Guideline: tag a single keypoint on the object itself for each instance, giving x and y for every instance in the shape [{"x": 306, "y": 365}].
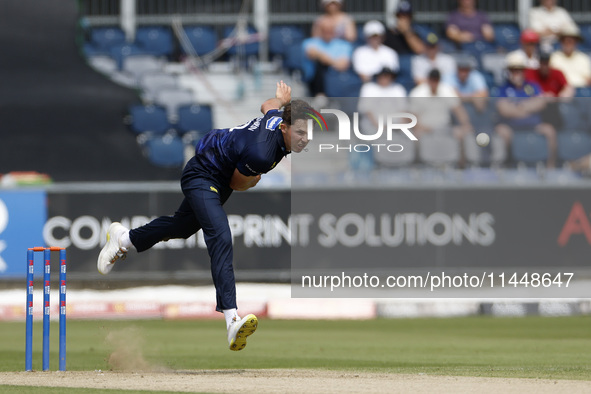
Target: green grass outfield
[{"x": 532, "y": 347}]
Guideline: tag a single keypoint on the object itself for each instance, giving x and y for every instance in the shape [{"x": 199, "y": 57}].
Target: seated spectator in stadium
[
  {"x": 342, "y": 24},
  {"x": 529, "y": 48},
  {"x": 467, "y": 24},
  {"x": 324, "y": 52},
  {"x": 401, "y": 37},
  {"x": 552, "y": 81},
  {"x": 383, "y": 85},
  {"x": 520, "y": 107},
  {"x": 432, "y": 58},
  {"x": 467, "y": 81},
  {"x": 370, "y": 58},
  {"x": 574, "y": 64},
  {"x": 435, "y": 116},
  {"x": 553, "y": 84},
  {"x": 548, "y": 20},
  {"x": 469, "y": 84}
]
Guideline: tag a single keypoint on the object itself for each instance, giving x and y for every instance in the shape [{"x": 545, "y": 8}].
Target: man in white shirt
[
  {"x": 432, "y": 59},
  {"x": 548, "y": 20},
  {"x": 372, "y": 57},
  {"x": 574, "y": 64},
  {"x": 433, "y": 103}
]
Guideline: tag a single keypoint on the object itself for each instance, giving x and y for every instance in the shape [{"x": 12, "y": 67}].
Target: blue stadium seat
[
  {"x": 106, "y": 37},
  {"x": 165, "y": 151},
  {"x": 283, "y": 37},
  {"x": 586, "y": 34},
  {"x": 574, "y": 115},
  {"x": 529, "y": 147},
  {"x": 148, "y": 118},
  {"x": 573, "y": 145},
  {"x": 294, "y": 57},
  {"x": 583, "y": 92},
  {"x": 121, "y": 51},
  {"x": 342, "y": 84},
  {"x": 477, "y": 49},
  {"x": 203, "y": 38},
  {"x": 194, "y": 117},
  {"x": 155, "y": 39},
  {"x": 250, "y": 49},
  {"x": 507, "y": 36}
]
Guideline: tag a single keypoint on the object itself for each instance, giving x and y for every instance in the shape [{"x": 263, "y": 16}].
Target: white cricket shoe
[
  {"x": 112, "y": 251},
  {"x": 240, "y": 329}
]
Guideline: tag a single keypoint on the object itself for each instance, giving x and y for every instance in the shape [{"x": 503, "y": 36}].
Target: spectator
[
  {"x": 548, "y": 20},
  {"x": 467, "y": 24},
  {"x": 342, "y": 24},
  {"x": 432, "y": 58},
  {"x": 320, "y": 54},
  {"x": 552, "y": 82},
  {"x": 435, "y": 115},
  {"x": 574, "y": 64},
  {"x": 520, "y": 106},
  {"x": 370, "y": 58},
  {"x": 401, "y": 37},
  {"x": 384, "y": 86},
  {"x": 472, "y": 89},
  {"x": 529, "y": 48},
  {"x": 467, "y": 81}
]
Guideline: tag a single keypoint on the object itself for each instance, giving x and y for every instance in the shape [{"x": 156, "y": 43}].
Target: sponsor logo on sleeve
[{"x": 273, "y": 122}]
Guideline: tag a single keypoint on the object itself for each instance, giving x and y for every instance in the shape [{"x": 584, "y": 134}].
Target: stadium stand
[
  {"x": 288, "y": 27},
  {"x": 54, "y": 103}
]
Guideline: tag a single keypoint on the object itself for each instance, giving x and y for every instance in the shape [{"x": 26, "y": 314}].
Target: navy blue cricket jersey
[{"x": 253, "y": 148}]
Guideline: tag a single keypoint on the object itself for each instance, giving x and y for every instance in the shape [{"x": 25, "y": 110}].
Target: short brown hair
[{"x": 294, "y": 110}]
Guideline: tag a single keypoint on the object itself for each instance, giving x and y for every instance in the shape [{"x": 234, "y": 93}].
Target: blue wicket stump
[{"x": 46, "y": 307}]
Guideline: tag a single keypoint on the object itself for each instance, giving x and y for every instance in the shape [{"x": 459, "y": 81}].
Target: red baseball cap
[{"x": 528, "y": 36}]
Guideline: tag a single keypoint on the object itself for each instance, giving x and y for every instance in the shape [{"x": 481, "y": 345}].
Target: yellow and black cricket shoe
[{"x": 240, "y": 329}]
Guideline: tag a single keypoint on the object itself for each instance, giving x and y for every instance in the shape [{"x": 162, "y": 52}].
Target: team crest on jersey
[{"x": 273, "y": 123}]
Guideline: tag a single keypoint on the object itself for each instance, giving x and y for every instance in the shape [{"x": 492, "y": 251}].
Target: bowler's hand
[{"x": 283, "y": 93}]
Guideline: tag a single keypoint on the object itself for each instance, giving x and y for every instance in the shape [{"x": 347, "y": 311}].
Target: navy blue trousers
[{"x": 201, "y": 209}]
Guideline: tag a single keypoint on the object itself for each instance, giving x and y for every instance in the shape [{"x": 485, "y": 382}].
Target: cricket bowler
[{"x": 225, "y": 160}]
